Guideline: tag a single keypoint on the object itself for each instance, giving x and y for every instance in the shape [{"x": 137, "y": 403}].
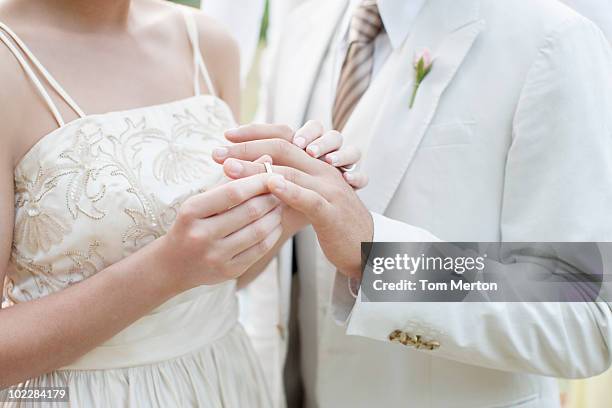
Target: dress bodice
[{"x": 101, "y": 187}]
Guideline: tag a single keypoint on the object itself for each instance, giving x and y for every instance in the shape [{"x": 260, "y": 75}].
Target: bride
[{"x": 120, "y": 242}]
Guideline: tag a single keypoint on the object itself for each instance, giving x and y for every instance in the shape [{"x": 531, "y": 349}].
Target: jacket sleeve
[{"x": 558, "y": 188}]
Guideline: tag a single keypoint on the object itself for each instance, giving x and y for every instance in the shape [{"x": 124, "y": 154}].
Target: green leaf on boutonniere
[
  {"x": 420, "y": 70},
  {"x": 422, "y": 64}
]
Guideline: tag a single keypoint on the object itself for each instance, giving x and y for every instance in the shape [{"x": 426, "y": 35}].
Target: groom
[{"x": 509, "y": 139}]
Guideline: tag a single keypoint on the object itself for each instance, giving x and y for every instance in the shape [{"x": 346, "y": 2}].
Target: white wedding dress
[{"x": 98, "y": 189}]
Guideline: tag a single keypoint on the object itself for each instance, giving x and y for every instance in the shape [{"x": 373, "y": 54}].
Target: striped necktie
[{"x": 366, "y": 25}]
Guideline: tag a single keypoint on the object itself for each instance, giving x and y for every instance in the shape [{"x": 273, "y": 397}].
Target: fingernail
[
  {"x": 299, "y": 142},
  {"x": 231, "y": 131},
  {"x": 332, "y": 159},
  {"x": 235, "y": 168},
  {"x": 349, "y": 177},
  {"x": 313, "y": 150},
  {"x": 278, "y": 183},
  {"x": 220, "y": 152}
]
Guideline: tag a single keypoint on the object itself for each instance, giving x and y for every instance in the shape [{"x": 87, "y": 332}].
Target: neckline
[{"x": 86, "y": 117}]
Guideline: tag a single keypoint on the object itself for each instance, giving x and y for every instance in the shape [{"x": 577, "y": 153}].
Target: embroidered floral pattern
[
  {"x": 123, "y": 162},
  {"x": 43, "y": 277},
  {"x": 37, "y": 227},
  {"x": 83, "y": 170},
  {"x": 86, "y": 263},
  {"x": 179, "y": 162},
  {"x": 7, "y": 298},
  {"x": 114, "y": 182}
]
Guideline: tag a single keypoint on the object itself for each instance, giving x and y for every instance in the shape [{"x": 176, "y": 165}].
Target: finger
[
  {"x": 224, "y": 197},
  {"x": 246, "y": 259},
  {"x": 346, "y": 156},
  {"x": 329, "y": 142},
  {"x": 231, "y": 167},
  {"x": 236, "y": 169},
  {"x": 282, "y": 153},
  {"x": 310, "y": 203},
  {"x": 258, "y": 131},
  {"x": 356, "y": 180},
  {"x": 242, "y": 215},
  {"x": 264, "y": 159},
  {"x": 253, "y": 233},
  {"x": 308, "y": 133}
]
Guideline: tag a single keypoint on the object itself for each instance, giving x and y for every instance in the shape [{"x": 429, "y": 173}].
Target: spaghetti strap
[
  {"x": 26, "y": 52},
  {"x": 198, "y": 62},
  {"x": 30, "y": 73}
]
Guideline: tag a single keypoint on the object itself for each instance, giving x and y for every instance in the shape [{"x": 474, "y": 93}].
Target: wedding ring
[
  {"x": 268, "y": 167},
  {"x": 348, "y": 169}
]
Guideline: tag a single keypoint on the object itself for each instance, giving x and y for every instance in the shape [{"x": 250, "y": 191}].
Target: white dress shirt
[{"x": 316, "y": 273}]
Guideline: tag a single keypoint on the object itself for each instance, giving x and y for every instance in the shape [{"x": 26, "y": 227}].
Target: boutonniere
[{"x": 422, "y": 66}]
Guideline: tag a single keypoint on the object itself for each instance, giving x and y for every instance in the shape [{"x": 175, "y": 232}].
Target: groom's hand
[
  {"x": 339, "y": 218},
  {"x": 313, "y": 188}
]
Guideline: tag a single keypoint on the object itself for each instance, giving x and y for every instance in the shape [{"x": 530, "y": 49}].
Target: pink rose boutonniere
[{"x": 422, "y": 65}]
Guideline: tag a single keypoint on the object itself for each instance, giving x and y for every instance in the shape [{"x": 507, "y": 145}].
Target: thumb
[{"x": 310, "y": 203}]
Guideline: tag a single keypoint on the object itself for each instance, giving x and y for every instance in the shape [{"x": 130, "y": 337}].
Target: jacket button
[
  {"x": 395, "y": 336},
  {"x": 414, "y": 341}
]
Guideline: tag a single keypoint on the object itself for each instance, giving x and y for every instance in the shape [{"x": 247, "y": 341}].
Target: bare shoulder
[
  {"x": 214, "y": 35},
  {"x": 219, "y": 50}
]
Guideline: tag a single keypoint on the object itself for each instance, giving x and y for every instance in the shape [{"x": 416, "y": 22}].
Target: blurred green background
[{"x": 193, "y": 3}]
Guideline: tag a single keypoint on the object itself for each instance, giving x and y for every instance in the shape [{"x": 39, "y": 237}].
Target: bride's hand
[
  {"x": 219, "y": 234},
  {"x": 312, "y": 137}
]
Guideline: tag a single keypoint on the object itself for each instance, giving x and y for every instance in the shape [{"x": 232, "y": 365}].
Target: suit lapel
[
  {"x": 302, "y": 65},
  {"x": 449, "y": 28}
]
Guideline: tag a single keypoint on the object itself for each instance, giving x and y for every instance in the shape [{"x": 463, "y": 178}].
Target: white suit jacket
[
  {"x": 510, "y": 139},
  {"x": 599, "y": 11}
]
